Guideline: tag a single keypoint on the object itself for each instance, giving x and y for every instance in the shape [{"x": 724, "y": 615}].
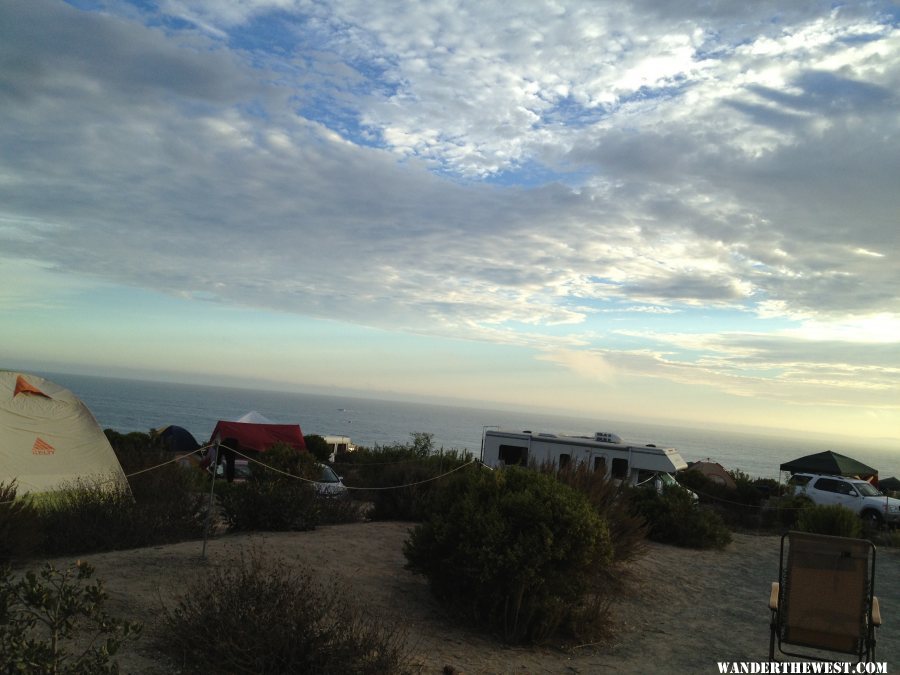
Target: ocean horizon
[{"x": 126, "y": 405}]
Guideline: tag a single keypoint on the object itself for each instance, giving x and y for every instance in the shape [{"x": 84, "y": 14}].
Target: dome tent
[
  {"x": 48, "y": 437},
  {"x": 176, "y": 439}
]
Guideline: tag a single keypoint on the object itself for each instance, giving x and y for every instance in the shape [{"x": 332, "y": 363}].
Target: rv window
[
  {"x": 600, "y": 464},
  {"x": 564, "y": 460},
  {"x": 513, "y": 454},
  {"x": 619, "y": 468}
]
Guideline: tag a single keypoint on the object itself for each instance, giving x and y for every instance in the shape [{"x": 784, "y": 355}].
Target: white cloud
[{"x": 648, "y": 158}]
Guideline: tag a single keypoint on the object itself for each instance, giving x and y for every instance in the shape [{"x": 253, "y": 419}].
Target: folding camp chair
[{"x": 824, "y": 598}]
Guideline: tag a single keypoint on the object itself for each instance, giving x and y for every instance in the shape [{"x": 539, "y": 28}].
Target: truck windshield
[
  {"x": 667, "y": 478},
  {"x": 867, "y": 490},
  {"x": 328, "y": 475}
]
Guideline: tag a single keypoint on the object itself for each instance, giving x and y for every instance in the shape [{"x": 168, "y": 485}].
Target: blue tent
[{"x": 177, "y": 439}]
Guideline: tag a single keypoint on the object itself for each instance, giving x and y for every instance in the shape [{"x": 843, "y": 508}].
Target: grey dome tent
[
  {"x": 48, "y": 437},
  {"x": 831, "y": 463}
]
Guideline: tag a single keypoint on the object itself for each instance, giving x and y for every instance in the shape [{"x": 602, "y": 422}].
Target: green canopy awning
[{"x": 831, "y": 463}]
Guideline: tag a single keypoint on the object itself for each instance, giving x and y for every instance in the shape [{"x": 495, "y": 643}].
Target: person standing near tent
[
  {"x": 228, "y": 450},
  {"x": 211, "y": 461}
]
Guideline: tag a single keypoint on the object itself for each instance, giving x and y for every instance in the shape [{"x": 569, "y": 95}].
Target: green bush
[
  {"x": 739, "y": 506},
  {"x": 168, "y": 498},
  {"x": 281, "y": 459},
  {"x": 269, "y": 505},
  {"x": 339, "y": 511},
  {"x": 19, "y": 525},
  {"x": 515, "y": 551},
  {"x": 88, "y": 515},
  {"x": 317, "y": 447},
  {"x": 43, "y": 615},
  {"x": 627, "y": 530},
  {"x": 785, "y": 511},
  {"x": 832, "y": 519},
  {"x": 400, "y": 478},
  {"x": 674, "y": 518},
  {"x": 269, "y": 616}
]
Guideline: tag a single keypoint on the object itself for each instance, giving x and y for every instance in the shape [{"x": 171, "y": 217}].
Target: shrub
[
  {"x": 168, "y": 507},
  {"x": 515, "y": 551},
  {"x": 627, "y": 530},
  {"x": 19, "y": 525},
  {"x": 269, "y": 505},
  {"x": 832, "y": 519},
  {"x": 673, "y": 518},
  {"x": 42, "y": 613},
  {"x": 168, "y": 497},
  {"x": 339, "y": 511},
  {"x": 739, "y": 506},
  {"x": 268, "y": 616},
  {"x": 88, "y": 515},
  {"x": 317, "y": 447},
  {"x": 400, "y": 478},
  {"x": 786, "y": 510},
  {"x": 281, "y": 459}
]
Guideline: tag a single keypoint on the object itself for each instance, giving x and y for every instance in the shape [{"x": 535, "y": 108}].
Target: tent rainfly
[
  {"x": 889, "y": 484},
  {"x": 176, "y": 439},
  {"x": 715, "y": 472},
  {"x": 831, "y": 463},
  {"x": 255, "y": 432},
  {"x": 48, "y": 437}
]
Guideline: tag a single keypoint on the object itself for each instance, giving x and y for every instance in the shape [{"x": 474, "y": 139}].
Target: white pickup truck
[{"x": 853, "y": 493}]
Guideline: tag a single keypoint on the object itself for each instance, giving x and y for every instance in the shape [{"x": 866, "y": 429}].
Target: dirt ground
[{"x": 686, "y": 611}]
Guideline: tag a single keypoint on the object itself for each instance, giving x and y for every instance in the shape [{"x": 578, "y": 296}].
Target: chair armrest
[
  {"x": 773, "y": 596},
  {"x": 876, "y": 611}
]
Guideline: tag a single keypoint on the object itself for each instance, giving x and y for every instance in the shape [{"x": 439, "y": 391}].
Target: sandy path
[{"x": 687, "y": 609}]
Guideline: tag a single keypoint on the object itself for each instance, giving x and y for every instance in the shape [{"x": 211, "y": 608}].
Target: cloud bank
[{"x": 538, "y": 175}]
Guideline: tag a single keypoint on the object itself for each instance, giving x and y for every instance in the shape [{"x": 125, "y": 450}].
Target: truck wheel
[{"x": 871, "y": 520}]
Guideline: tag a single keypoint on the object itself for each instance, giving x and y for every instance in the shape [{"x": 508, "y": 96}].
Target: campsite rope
[
  {"x": 390, "y": 487},
  {"x": 171, "y": 461},
  {"x": 420, "y": 482}
]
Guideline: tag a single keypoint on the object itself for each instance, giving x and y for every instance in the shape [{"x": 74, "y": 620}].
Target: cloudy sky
[{"x": 682, "y": 211}]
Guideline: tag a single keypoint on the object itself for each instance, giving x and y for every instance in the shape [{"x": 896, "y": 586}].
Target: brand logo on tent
[
  {"x": 23, "y": 386},
  {"x": 42, "y": 447}
]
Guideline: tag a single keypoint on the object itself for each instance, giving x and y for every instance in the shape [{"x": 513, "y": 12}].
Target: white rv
[{"x": 631, "y": 464}]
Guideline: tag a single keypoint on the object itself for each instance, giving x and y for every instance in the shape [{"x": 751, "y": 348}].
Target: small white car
[
  {"x": 330, "y": 484},
  {"x": 853, "y": 493}
]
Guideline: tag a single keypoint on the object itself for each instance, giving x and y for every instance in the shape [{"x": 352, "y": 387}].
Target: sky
[{"x": 675, "y": 211}]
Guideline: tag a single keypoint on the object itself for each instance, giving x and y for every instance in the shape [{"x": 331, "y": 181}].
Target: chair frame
[{"x": 778, "y": 601}]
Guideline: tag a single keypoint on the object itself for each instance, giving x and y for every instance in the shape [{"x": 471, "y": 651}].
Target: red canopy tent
[{"x": 259, "y": 436}]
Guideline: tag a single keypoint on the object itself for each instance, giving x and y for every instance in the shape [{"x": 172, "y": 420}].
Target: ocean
[{"x": 136, "y": 405}]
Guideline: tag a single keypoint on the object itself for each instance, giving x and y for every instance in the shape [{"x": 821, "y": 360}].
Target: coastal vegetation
[
  {"x": 830, "y": 519},
  {"x": 673, "y": 518},
  {"x": 266, "y": 615},
  {"x": 516, "y": 552},
  {"x": 54, "y": 621},
  {"x": 400, "y": 480},
  {"x": 530, "y": 555}
]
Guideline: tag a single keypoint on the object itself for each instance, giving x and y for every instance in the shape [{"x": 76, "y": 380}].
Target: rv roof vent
[{"x": 607, "y": 437}]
